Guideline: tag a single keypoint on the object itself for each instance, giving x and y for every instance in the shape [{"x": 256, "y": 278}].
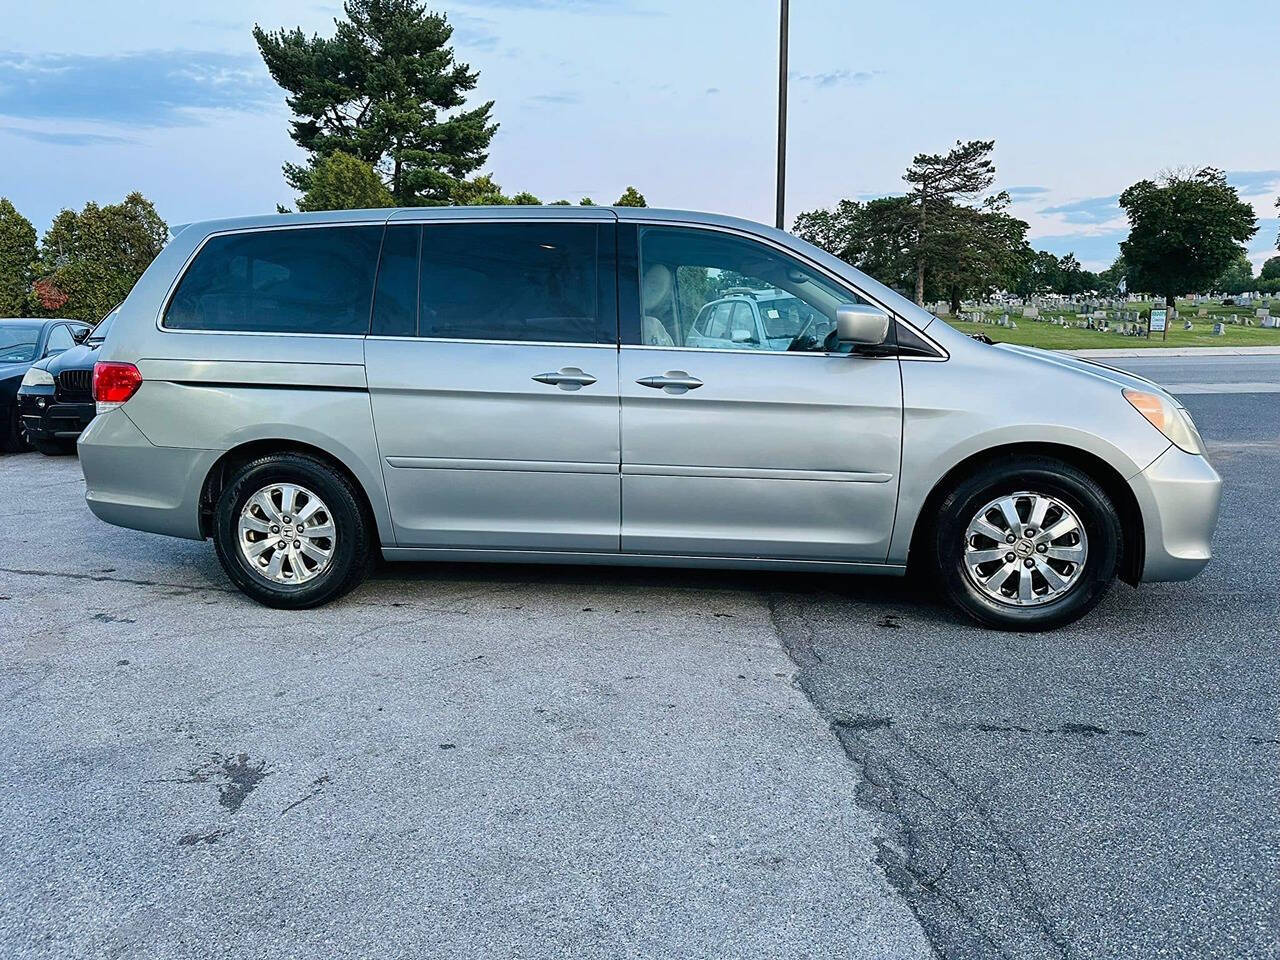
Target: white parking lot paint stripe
[{"x": 1187, "y": 388}]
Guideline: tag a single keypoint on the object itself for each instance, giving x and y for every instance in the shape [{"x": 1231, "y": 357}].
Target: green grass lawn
[{"x": 1037, "y": 333}]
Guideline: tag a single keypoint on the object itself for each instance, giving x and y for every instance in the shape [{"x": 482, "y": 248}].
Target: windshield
[
  {"x": 18, "y": 342},
  {"x": 99, "y": 333},
  {"x": 786, "y": 316}
]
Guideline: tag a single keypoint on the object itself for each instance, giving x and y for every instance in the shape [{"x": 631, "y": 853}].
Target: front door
[
  {"x": 749, "y": 448},
  {"x": 492, "y": 368}
]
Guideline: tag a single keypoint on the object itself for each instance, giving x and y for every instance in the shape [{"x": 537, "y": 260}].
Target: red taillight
[{"x": 114, "y": 383}]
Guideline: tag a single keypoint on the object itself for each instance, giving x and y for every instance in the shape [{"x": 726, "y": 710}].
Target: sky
[{"x": 677, "y": 97}]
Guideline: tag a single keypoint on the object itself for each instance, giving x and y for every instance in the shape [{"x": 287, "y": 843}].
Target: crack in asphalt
[
  {"x": 963, "y": 879},
  {"x": 100, "y": 578}
]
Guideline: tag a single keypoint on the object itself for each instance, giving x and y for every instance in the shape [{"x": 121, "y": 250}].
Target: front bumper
[
  {"x": 1179, "y": 495},
  {"x": 47, "y": 418}
]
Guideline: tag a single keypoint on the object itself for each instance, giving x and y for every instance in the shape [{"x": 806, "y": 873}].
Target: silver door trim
[
  {"x": 766, "y": 353},
  {"x": 612, "y": 345},
  {"x": 516, "y": 466},
  {"x": 751, "y": 473},
  {"x": 265, "y": 373},
  {"x": 472, "y": 555}
]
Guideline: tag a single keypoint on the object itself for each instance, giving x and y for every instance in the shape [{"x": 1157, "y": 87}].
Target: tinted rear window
[
  {"x": 524, "y": 281},
  {"x": 303, "y": 280}
]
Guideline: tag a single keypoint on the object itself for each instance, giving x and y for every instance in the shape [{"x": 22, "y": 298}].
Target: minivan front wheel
[
  {"x": 290, "y": 532},
  {"x": 1027, "y": 544}
]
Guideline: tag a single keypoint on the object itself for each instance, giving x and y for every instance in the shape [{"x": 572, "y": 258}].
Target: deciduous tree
[
  {"x": 1237, "y": 278},
  {"x": 17, "y": 260},
  {"x": 387, "y": 90},
  {"x": 968, "y": 250},
  {"x": 343, "y": 182},
  {"x": 89, "y": 261},
  {"x": 1184, "y": 231}
]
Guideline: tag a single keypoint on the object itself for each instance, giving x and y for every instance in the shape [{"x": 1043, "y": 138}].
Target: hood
[
  {"x": 79, "y": 357},
  {"x": 1088, "y": 368}
]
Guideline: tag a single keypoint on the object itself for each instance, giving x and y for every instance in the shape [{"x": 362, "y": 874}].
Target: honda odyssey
[{"x": 544, "y": 385}]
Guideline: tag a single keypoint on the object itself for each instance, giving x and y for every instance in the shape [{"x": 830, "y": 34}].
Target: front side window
[
  {"x": 60, "y": 339},
  {"x": 712, "y": 290},
  {"x": 512, "y": 281},
  {"x": 301, "y": 280}
]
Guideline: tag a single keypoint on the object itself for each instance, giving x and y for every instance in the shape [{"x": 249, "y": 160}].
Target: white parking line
[{"x": 1255, "y": 387}]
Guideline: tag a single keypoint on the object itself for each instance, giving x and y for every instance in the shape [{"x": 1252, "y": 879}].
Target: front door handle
[
  {"x": 567, "y": 378},
  {"x": 673, "y": 382}
]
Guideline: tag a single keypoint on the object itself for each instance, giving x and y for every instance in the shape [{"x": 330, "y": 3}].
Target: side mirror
[
  {"x": 862, "y": 324},
  {"x": 742, "y": 336},
  {"x": 81, "y": 335}
]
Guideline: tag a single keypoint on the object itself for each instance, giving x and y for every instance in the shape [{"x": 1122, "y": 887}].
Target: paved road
[
  {"x": 1207, "y": 374},
  {"x": 497, "y": 761},
  {"x": 1109, "y": 790},
  {"x": 545, "y": 761}
]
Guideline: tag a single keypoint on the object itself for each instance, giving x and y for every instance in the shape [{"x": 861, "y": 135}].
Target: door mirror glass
[{"x": 861, "y": 324}]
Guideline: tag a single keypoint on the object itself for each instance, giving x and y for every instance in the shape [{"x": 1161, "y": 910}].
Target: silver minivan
[{"x": 527, "y": 384}]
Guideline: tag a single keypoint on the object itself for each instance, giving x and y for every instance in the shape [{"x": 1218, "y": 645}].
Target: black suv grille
[{"x": 75, "y": 386}]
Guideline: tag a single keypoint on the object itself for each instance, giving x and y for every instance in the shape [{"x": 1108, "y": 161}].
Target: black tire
[
  {"x": 351, "y": 545},
  {"x": 13, "y": 436},
  {"x": 1043, "y": 475},
  {"x": 54, "y": 448}
]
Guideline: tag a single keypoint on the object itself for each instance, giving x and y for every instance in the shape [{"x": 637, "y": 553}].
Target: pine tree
[
  {"x": 387, "y": 90},
  {"x": 631, "y": 197},
  {"x": 938, "y": 181}
]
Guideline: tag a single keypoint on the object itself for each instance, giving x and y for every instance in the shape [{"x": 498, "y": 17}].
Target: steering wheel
[{"x": 804, "y": 340}]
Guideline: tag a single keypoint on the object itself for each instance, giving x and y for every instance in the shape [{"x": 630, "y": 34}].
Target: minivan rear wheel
[
  {"x": 290, "y": 532},
  {"x": 1027, "y": 543}
]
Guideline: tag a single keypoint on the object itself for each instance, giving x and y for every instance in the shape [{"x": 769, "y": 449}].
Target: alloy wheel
[
  {"x": 1025, "y": 549},
  {"x": 286, "y": 534}
]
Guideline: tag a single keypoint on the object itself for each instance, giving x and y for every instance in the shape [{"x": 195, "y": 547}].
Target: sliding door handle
[
  {"x": 673, "y": 381},
  {"x": 566, "y": 378}
]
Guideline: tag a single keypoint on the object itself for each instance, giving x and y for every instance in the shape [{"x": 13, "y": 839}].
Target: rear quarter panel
[{"x": 217, "y": 391}]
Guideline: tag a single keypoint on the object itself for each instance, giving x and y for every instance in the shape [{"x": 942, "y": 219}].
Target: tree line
[
  {"x": 380, "y": 110},
  {"x": 949, "y": 238}
]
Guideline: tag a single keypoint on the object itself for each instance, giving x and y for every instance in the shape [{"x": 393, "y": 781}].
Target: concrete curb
[{"x": 1180, "y": 352}]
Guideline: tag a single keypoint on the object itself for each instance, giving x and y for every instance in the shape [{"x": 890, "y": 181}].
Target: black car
[
  {"x": 22, "y": 343},
  {"x": 56, "y": 396}
]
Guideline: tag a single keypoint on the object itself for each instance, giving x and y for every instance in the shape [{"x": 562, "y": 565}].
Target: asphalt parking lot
[{"x": 530, "y": 761}]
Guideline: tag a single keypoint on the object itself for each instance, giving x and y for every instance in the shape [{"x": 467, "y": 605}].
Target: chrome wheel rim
[
  {"x": 286, "y": 534},
  {"x": 1025, "y": 549}
]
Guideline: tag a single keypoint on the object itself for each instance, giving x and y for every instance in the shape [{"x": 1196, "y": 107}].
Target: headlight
[
  {"x": 1170, "y": 419},
  {"x": 35, "y": 377}
]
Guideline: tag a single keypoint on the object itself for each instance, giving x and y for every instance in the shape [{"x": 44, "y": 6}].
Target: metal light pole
[{"x": 782, "y": 117}]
